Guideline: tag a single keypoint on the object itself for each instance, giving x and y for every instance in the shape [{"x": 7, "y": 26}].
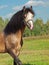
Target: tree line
[{"x": 40, "y": 28}]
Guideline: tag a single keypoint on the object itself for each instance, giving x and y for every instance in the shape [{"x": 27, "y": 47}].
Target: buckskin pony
[{"x": 11, "y": 38}]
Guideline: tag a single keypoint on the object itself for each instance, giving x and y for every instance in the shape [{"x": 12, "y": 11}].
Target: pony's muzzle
[{"x": 30, "y": 24}]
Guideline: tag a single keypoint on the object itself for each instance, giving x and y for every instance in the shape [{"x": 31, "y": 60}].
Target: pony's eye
[{"x": 25, "y": 15}]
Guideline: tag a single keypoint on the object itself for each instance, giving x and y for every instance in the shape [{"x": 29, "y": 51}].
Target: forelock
[{"x": 29, "y": 10}]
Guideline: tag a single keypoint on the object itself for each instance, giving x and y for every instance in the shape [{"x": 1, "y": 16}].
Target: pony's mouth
[{"x": 30, "y": 24}]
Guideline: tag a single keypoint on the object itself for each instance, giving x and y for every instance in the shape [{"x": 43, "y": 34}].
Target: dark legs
[
  {"x": 14, "y": 63},
  {"x": 16, "y": 59},
  {"x": 17, "y": 62}
]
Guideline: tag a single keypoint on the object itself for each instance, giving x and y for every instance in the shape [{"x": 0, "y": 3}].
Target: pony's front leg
[
  {"x": 14, "y": 63},
  {"x": 14, "y": 55},
  {"x": 17, "y": 62}
]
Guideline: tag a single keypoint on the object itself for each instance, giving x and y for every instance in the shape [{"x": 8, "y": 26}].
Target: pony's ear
[
  {"x": 31, "y": 7},
  {"x": 24, "y": 8}
]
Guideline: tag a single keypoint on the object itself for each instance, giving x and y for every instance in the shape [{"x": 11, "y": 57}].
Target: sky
[{"x": 40, "y": 7}]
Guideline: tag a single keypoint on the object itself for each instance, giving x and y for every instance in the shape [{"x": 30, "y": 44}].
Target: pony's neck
[
  {"x": 23, "y": 30},
  {"x": 19, "y": 33}
]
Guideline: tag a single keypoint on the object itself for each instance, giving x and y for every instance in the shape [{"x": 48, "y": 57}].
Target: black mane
[{"x": 15, "y": 23}]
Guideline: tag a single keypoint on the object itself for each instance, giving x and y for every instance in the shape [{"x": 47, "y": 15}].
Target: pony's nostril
[{"x": 31, "y": 24}]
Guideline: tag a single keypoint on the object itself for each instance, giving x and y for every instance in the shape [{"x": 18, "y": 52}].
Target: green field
[{"x": 33, "y": 52}]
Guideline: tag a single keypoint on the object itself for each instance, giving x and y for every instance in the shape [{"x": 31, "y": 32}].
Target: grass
[
  {"x": 36, "y": 44},
  {"x": 33, "y": 52}
]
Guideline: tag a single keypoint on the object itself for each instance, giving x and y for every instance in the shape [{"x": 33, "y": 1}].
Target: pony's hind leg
[{"x": 14, "y": 55}]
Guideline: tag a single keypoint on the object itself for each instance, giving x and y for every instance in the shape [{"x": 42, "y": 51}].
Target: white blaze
[{"x": 29, "y": 17}]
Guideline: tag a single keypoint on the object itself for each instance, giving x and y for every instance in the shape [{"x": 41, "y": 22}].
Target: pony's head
[
  {"x": 19, "y": 20},
  {"x": 28, "y": 15}
]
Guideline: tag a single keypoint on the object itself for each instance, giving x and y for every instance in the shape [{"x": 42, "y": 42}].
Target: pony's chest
[{"x": 14, "y": 41}]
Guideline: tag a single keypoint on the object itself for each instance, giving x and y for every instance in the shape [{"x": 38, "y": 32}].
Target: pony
[{"x": 11, "y": 38}]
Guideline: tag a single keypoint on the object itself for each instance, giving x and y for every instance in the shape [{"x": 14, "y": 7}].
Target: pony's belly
[{"x": 2, "y": 43}]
